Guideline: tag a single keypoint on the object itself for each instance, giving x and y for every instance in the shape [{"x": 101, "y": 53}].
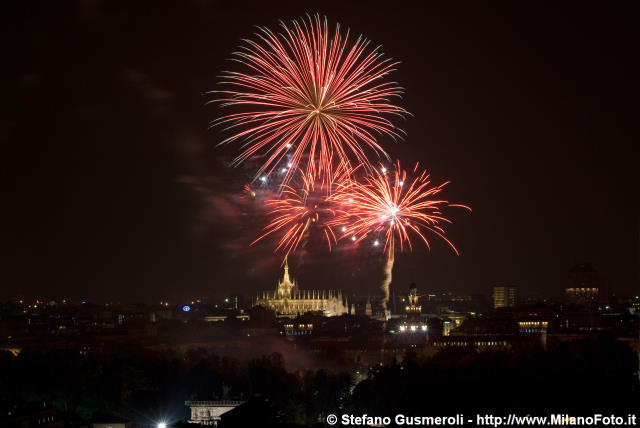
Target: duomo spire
[
  {"x": 286, "y": 287},
  {"x": 285, "y": 278}
]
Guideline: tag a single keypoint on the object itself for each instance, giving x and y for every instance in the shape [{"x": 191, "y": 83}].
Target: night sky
[{"x": 115, "y": 189}]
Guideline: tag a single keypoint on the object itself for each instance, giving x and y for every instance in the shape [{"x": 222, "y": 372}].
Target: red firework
[
  {"x": 388, "y": 203},
  {"x": 309, "y": 97},
  {"x": 296, "y": 211}
]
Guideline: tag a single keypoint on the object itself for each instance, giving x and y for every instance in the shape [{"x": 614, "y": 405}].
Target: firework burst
[
  {"x": 298, "y": 209},
  {"x": 309, "y": 96},
  {"x": 389, "y": 204}
]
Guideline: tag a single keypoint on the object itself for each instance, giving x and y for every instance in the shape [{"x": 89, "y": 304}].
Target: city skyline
[{"x": 564, "y": 292}]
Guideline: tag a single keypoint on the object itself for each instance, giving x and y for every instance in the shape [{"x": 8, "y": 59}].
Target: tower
[
  {"x": 285, "y": 286},
  {"x": 413, "y": 322},
  {"x": 584, "y": 286},
  {"x": 413, "y": 310},
  {"x": 504, "y": 297}
]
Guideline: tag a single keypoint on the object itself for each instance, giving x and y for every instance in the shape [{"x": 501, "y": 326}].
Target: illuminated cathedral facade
[{"x": 289, "y": 301}]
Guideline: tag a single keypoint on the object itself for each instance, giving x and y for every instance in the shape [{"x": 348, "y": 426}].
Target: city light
[{"x": 186, "y": 308}]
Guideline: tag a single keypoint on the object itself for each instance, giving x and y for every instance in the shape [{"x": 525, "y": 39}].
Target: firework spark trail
[
  {"x": 386, "y": 282},
  {"x": 390, "y": 204},
  {"x": 309, "y": 97}
]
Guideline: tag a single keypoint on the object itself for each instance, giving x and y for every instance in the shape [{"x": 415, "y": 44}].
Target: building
[
  {"x": 33, "y": 415},
  {"x": 533, "y": 326},
  {"x": 413, "y": 322},
  {"x": 584, "y": 276},
  {"x": 289, "y": 301},
  {"x": 481, "y": 343},
  {"x": 209, "y": 412},
  {"x": 297, "y": 329},
  {"x": 504, "y": 297},
  {"x": 583, "y": 296},
  {"x": 451, "y": 320},
  {"x": 536, "y": 329},
  {"x": 584, "y": 285}
]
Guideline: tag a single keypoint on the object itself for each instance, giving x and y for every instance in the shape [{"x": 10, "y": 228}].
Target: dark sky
[{"x": 114, "y": 189}]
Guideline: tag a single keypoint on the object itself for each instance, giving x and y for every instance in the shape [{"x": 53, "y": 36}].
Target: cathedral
[{"x": 288, "y": 301}]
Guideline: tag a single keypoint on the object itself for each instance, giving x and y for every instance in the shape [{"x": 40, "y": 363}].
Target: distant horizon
[{"x": 398, "y": 290}]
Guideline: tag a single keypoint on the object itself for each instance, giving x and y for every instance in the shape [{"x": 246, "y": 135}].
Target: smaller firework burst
[
  {"x": 390, "y": 204},
  {"x": 300, "y": 209}
]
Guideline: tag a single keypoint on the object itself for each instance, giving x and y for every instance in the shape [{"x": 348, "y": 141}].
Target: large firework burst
[{"x": 308, "y": 97}]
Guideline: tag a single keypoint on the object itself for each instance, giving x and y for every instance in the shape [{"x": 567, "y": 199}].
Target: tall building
[
  {"x": 413, "y": 321},
  {"x": 504, "y": 297},
  {"x": 288, "y": 301},
  {"x": 584, "y": 285}
]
